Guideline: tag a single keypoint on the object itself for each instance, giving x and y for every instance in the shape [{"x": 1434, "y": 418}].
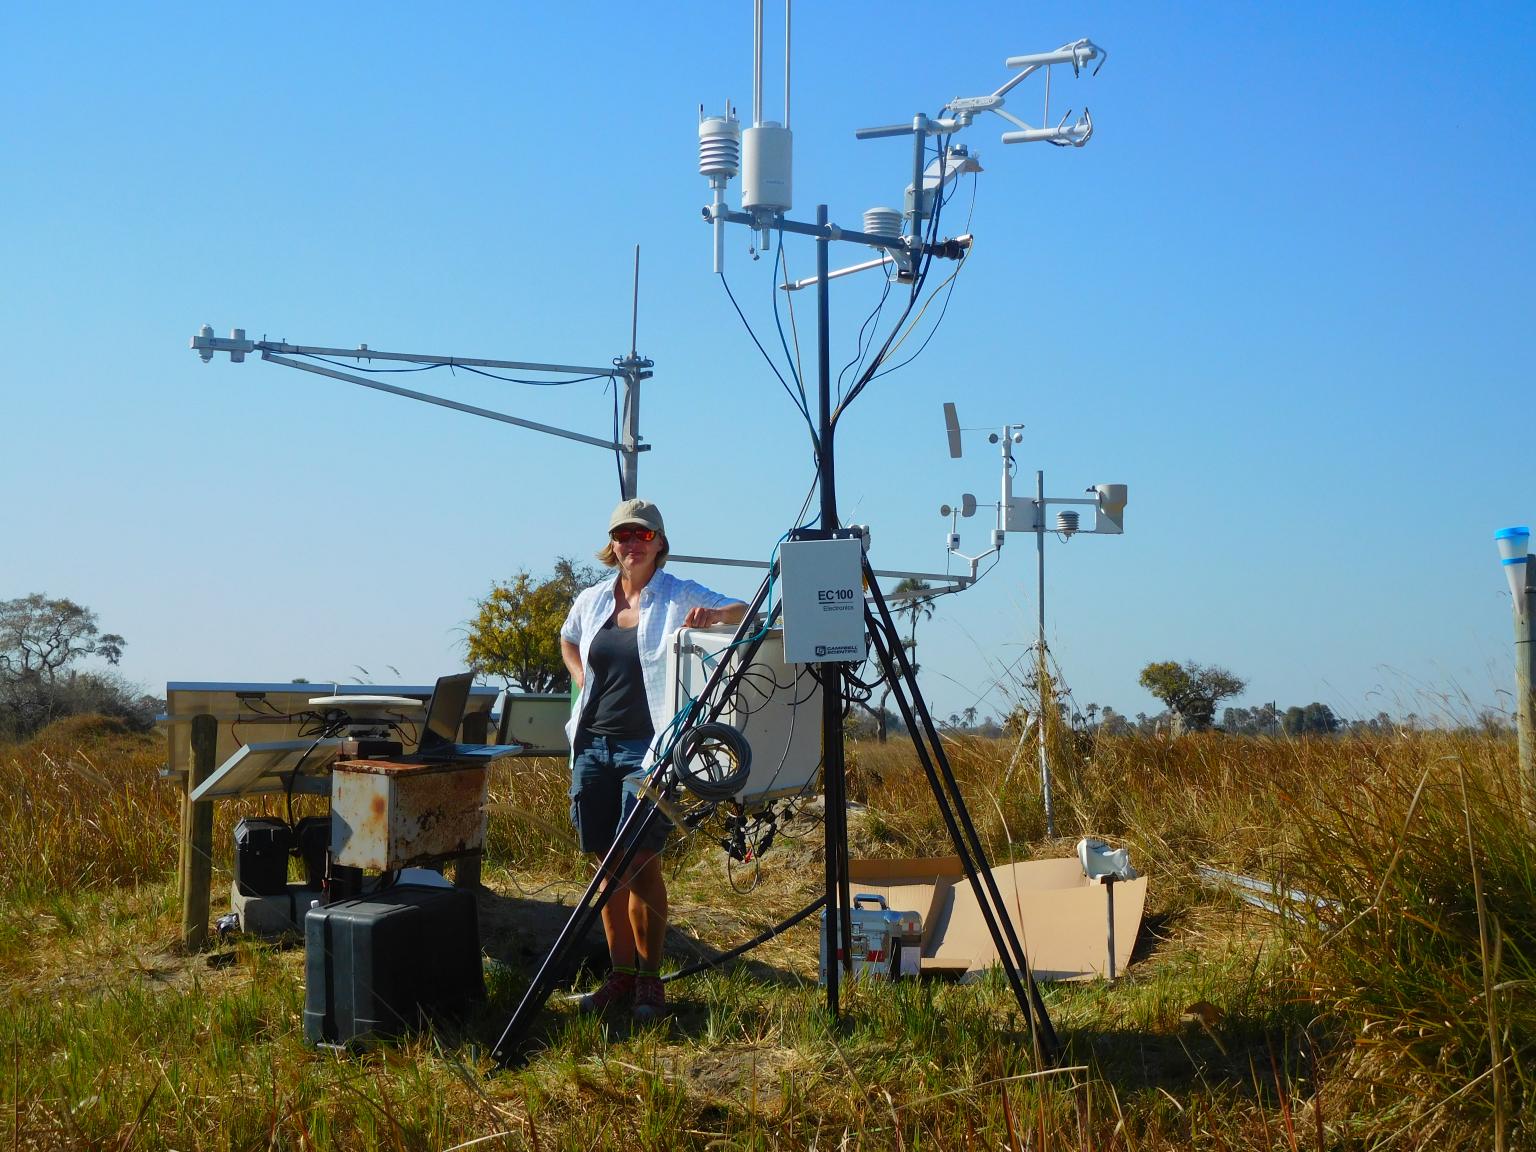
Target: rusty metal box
[{"x": 387, "y": 815}]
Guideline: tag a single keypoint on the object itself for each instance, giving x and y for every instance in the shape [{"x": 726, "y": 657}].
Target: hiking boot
[
  {"x": 618, "y": 988},
  {"x": 650, "y": 998}
]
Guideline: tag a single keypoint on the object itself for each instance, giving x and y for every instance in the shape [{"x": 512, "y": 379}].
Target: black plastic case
[
  {"x": 261, "y": 856},
  {"x": 376, "y": 966}
]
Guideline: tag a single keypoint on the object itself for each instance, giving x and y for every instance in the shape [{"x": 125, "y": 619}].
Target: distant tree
[
  {"x": 1260, "y": 721},
  {"x": 858, "y": 727},
  {"x": 516, "y": 630},
  {"x": 1112, "y": 723},
  {"x": 41, "y": 642},
  {"x": 915, "y": 607},
  {"x": 43, "y": 637},
  {"x": 970, "y": 717},
  {"x": 1191, "y": 691},
  {"x": 1313, "y": 720}
]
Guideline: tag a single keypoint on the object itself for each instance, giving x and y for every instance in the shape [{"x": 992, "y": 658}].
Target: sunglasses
[{"x": 627, "y": 533}]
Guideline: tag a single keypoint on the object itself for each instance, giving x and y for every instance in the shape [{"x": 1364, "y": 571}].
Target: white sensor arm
[{"x": 1077, "y": 54}]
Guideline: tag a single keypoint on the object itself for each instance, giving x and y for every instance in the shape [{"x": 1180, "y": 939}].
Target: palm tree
[{"x": 914, "y": 607}]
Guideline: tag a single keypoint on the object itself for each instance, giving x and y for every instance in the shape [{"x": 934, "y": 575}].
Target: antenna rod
[
  {"x": 634, "y": 311},
  {"x": 757, "y": 62},
  {"x": 786, "y": 62}
]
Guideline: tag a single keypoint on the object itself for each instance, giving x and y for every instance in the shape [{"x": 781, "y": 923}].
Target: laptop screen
[{"x": 446, "y": 712}]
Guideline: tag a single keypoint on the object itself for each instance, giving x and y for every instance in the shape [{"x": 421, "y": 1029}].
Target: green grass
[{"x": 1397, "y": 1011}]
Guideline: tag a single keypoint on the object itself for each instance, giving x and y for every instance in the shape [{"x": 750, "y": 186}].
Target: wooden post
[
  {"x": 1525, "y": 690},
  {"x": 197, "y": 836}
]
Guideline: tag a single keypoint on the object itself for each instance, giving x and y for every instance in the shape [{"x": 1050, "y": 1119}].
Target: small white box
[
  {"x": 823, "y": 596},
  {"x": 777, "y": 707}
]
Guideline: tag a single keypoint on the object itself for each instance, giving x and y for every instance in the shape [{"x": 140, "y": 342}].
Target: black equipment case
[
  {"x": 375, "y": 965},
  {"x": 261, "y": 856}
]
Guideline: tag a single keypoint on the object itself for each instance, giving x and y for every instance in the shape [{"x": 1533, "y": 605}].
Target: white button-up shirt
[{"x": 663, "y": 603}]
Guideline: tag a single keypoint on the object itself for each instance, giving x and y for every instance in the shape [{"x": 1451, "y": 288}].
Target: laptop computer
[{"x": 445, "y": 715}]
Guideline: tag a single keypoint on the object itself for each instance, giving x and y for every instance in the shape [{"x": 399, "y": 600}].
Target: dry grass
[{"x": 1392, "y": 1010}]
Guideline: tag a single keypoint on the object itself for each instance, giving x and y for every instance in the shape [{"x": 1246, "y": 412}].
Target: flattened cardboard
[{"x": 1060, "y": 915}]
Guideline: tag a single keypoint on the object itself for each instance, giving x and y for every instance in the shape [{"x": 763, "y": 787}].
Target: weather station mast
[
  {"x": 824, "y": 569},
  {"x": 906, "y": 242},
  {"x": 1022, "y": 514}
]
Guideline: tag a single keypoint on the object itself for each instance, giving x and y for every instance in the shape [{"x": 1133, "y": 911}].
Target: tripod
[
  {"x": 885, "y": 637},
  {"x": 886, "y": 640}
]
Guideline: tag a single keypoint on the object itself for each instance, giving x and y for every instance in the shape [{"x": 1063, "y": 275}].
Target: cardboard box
[{"x": 1060, "y": 915}]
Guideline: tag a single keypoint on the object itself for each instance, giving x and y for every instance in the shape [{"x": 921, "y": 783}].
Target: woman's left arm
[{"x": 701, "y": 617}]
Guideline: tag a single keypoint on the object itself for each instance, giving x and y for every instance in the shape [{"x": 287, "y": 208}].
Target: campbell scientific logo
[{"x": 826, "y": 650}]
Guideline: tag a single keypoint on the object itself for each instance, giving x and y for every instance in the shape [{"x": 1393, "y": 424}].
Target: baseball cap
[{"x": 641, "y": 512}]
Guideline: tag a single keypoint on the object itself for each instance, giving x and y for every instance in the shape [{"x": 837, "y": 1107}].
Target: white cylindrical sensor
[
  {"x": 767, "y": 168},
  {"x": 1112, "y": 499}
]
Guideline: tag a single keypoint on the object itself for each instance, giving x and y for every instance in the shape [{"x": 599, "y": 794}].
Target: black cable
[
  {"x": 292, "y": 777},
  {"x": 947, "y": 295},
  {"x": 760, "y": 938},
  {"x": 920, "y": 276},
  {"x": 859, "y": 349},
  {"x": 799, "y": 403},
  {"x": 457, "y": 367},
  {"x": 778, "y": 266}
]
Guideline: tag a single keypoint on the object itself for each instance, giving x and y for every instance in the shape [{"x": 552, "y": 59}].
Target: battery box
[
  {"x": 379, "y": 966},
  {"x": 885, "y": 944},
  {"x": 261, "y": 856}
]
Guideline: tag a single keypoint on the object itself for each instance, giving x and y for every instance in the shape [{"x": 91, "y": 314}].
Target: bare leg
[
  {"x": 616, "y": 926},
  {"x": 647, "y": 911}
]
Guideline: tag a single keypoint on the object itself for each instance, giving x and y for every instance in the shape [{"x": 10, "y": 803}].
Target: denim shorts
[{"x": 600, "y": 796}]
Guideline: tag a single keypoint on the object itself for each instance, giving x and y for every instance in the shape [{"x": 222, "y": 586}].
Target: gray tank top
[{"x": 616, "y": 685}]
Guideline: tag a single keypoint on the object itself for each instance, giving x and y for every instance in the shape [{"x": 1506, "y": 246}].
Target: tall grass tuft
[
  {"x": 1424, "y": 936},
  {"x": 87, "y": 810}
]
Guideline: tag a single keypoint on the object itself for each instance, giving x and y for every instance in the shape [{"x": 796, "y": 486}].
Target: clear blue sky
[{"x": 1285, "y": 294}]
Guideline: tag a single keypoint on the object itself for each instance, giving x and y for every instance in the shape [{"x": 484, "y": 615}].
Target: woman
[{"x": 614, "y": 643}]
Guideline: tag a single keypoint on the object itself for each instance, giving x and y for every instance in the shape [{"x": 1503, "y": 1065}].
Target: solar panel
[
  {"x": 274, "y": 714},
  {"x": 266, "y": 767}
]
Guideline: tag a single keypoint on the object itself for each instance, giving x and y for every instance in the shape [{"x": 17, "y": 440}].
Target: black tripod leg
[
  {"x": 952, "y": 808},
  {"x": 626, "y": 844},
  {"x": 836, "y": 936}
]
